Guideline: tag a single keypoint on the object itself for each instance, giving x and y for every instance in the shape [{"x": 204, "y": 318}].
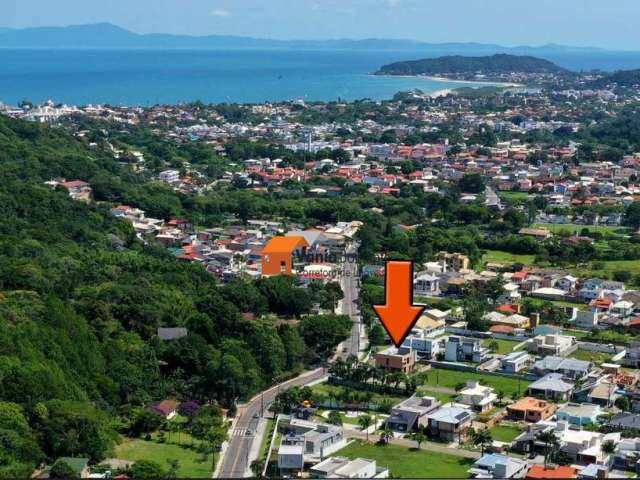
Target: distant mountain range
[
  {"x": 106, "y": 35},
  {"x": 459, "y": 65}
]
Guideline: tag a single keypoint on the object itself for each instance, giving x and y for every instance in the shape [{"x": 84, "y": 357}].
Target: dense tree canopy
[{"x": 81, "y": 299}]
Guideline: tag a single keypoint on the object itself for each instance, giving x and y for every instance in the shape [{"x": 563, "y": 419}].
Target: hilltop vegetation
[
  {"x": 81, "y": 299},
  {"x": 494, "y": 64},
  {"x": 622, "y": 78}
]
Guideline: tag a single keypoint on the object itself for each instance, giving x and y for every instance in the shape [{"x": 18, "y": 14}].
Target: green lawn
[
  {"x": 595, "y": 357},
  {"x": 572, "y": 227},
  {"x": 504, "y": 433},
  {"x": 451, "y": 378},
  {"x": 439, "y": 303},
  {"x": 345, "y": 419},
  {"x": 441, "y": 397},
  {"x": 504, "y": 346},
  {"x": 603, "y": 336},
  {"x": 514, "y": 196},
  {"x": 579, "y": 334},
  {"x": 192, "y": 463},
  {"x": 326, "y": 389},
  {"x": 609, "y": 266},
  {"x": 266, "y": 440},
  {"x": 499, "y": 256},
  {"x": 410, "y": 463}
]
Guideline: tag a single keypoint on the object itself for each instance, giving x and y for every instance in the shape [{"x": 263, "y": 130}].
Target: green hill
[
  {"x": 622, "y": 78},
  {"x": 494, "y": 64},
  {"x": 80, "y": 301}
]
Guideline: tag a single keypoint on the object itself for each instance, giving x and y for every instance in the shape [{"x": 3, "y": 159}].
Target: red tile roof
[
  {"x": 501, "y": 329},
  {"x": 507, "y": 308},
  {"x": 562, "y": 472}
]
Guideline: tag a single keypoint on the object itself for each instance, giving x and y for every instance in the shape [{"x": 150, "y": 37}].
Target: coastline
[
  {"x": 486, "y": 83},
  {"x": 472, "y": 82}
]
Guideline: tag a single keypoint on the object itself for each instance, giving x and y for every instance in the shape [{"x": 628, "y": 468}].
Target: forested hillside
[
  {"x": 456, "y": 64},
  {"x": 80, "y": 302}
]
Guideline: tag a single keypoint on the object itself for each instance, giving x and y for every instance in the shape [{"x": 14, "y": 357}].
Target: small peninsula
[{"x": 464, "y": 67}]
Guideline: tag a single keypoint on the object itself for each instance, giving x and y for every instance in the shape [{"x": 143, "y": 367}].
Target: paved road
[
  {"x": 350, "y": 284},
  {"x": 235, "y": 463}
]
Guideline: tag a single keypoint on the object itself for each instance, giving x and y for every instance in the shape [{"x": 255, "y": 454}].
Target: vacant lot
[
  {"x": 504, "y": 346},
  {"x": 440, "y": 396},
  {"x": 572, "y": 228},
  {"x": 514, "y": 196},
  {"x": 500, "y": 256},
  {"x": 608, "y": 267},
  {"x": 410, "y": 463},
  {"x": 192, "y": 463},
  {"x": 504, "y": 433},
  {"x": 335, "y": 392},
  {"x": 450, "y": 378},
  {"x": 595, "y": 357}
]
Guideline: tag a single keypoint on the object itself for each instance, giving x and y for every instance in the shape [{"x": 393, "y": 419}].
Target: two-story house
[
  {"x": 463, "y": 349},
  {"x": 411, "y": 413},
  {"x": 450, "y": 423},
  {"x": 403, "y": 359},
  {"x": 515, "y": 362},
  {"x": 479, "y": 397}
]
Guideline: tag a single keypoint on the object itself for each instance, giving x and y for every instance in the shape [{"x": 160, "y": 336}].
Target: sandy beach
[
  {"x": 470, "y": 82},
  {"x": 479, "y": 83}
]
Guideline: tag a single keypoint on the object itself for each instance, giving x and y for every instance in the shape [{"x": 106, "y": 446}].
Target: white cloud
[
  {"x": 393, "y": 3},
  {"x": 220, "y": 13}
]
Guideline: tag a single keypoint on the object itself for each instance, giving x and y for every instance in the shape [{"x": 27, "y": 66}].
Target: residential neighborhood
[{"x": 198, "y": 290}]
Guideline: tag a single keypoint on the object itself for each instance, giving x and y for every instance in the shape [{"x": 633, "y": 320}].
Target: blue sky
[{"x": 605, "y": 23}]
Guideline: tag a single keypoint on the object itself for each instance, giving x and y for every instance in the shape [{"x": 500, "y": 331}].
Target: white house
[
  {"x": 515, "y": 362},
  {"x": 169, "y": 176},
  {"x": 623, "y": 308},
  {"x": 551, "y": 345},
  {"x": 342, "y": 467},
  {"x": 426, "y": 284},
  {"x": 566, "y": 283},
  {"x": 306, "y": 442},
  {"x": 426, "y": 346},
  {"x": 587, "y": 319},
  {"x": 477, "y": 396},
  {"x": 498, "y": 466}
]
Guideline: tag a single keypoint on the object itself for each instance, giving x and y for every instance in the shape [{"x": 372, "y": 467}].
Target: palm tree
[
  {"x": 365, "y": 422},
  {"x": 332, "y": 396},
  {"x": 398, "y": 378},
  {"x": 481, "y": 438},
  {"x": 550, "y": 440},
  {"x": 335, "y": 418},
  {"x": 370, "y": 373},
  {"x": 608, "y": 447},
  {"x": 338, "y": 368},
  {"x": 500, "y": 396},
  {"x": 386, "y": 435},
  {"x": 419, "y": 437}
]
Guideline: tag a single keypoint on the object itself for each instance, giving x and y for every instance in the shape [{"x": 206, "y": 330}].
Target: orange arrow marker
[{"x": 399, "y": 314}]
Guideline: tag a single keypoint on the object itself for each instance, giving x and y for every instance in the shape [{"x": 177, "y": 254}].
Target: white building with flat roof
[{"x": 342, "y": 467}]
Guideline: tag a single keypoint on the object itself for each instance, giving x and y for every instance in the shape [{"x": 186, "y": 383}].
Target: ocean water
[{"x": 144, "y": 77}]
